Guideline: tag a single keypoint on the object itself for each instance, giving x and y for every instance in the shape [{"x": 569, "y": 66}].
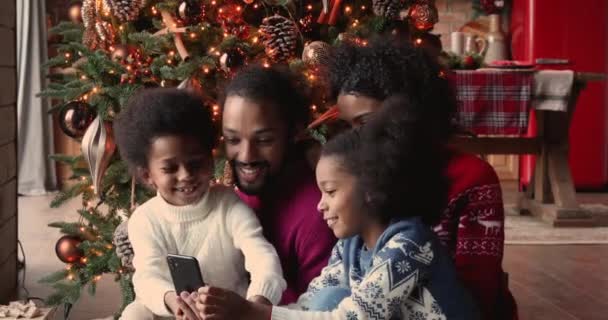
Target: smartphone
[{"x": 185, "y": 272}]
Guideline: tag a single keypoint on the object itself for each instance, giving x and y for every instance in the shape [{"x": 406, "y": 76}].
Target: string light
[
  {"x": 266, "y": 65},
  {"x": 363, "y": 8},
  {"x": 206, "y": 70},
  {"x": 213, "y": 3},
  {"x": 154, "y": 11},
  {"x": 96, "y": 278},
  {"x": 67, "y": 55},
  {"x": 192, "y": 35},
  {"x": 95, "y": 89},
  {"x": 347, "y": 9},
  {"x": 70, "y": 277},
  {"x": 309, "y": 7},
  {"x": 418, "y": 41},
  {"x": 255, "y": 6},
  {"x": 120, "y": 28},
  {"x": 83, "y": 260},
  {"x": 313, "y": 108},
  {"x": 255, "y": 40}
]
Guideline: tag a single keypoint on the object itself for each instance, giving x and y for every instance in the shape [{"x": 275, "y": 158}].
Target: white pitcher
[{"x": 496, "y": 48}]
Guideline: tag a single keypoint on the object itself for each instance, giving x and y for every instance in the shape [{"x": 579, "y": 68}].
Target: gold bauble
[{"x": 316, "y": 53}]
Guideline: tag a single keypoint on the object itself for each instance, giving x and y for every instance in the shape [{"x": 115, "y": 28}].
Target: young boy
[{"x": 167, "y": 136}]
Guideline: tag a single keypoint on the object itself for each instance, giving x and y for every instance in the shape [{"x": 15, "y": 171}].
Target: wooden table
[{"x": 551, "y": 194}]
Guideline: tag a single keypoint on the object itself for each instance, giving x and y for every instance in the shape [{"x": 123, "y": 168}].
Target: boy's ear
[{"x": 143, "y": 174}]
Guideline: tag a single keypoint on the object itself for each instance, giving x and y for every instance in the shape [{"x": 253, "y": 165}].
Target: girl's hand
[{"x": 219, "y": 304}]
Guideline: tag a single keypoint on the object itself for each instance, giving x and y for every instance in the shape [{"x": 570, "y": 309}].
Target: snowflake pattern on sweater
[{"x": 393, "y": 288}]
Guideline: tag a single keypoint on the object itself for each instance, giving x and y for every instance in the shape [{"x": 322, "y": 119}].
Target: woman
[{"x": 360, "y": 79}]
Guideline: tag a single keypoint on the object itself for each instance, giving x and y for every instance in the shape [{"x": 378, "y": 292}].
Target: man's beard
[{"x": 258, "y": 186}]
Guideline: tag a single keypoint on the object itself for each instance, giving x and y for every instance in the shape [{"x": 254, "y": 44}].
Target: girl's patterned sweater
[{"x": 410, "y": 277}]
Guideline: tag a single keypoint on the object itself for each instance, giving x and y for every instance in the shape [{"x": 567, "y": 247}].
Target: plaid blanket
[{"x": 493, "y": 102}]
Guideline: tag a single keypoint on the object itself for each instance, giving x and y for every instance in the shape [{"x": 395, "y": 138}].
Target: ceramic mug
[{"x": 457, "y": 42}]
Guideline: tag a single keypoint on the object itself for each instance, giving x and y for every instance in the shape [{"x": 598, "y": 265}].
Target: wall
[
  {"x": 8, "y": 153},
  {"x": 452, "y": 15}
]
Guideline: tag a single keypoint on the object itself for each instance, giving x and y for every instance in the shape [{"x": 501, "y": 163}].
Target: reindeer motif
[{"x": 491, "y": 227}]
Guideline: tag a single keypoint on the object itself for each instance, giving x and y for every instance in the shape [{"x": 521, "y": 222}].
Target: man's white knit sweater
[{"x": 222, "y": 233}]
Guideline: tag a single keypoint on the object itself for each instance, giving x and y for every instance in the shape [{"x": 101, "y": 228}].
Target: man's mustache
[{"x": 255, "y": 164}]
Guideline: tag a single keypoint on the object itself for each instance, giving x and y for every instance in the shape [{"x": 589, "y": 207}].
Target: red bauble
[
  {"x": 67, "y": 249},
  {"x": 75, "y": 117},
  {"x": 424, "y": 16}
]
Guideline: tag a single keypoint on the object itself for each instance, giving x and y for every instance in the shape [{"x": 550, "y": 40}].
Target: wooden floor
[{"x": 559, "y": 282}]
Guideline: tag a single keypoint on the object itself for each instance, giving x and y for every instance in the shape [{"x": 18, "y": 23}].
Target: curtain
[{"x": 34, "y": 125}]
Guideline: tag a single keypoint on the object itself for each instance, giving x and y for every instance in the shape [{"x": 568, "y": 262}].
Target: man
[{"x": 263, "y": 111}]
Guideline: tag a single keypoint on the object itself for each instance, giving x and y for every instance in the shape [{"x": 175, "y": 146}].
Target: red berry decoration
[{"x": 468, "y": 62}]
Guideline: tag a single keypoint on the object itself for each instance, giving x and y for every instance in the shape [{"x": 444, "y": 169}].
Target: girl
[
  {"x": 167, "y": 137},
  {"x": 382, "y": 189}
]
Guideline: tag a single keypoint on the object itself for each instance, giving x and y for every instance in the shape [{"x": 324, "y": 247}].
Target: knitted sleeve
[
  {"x": 261, "y": 259},
  {"x": 396, "y": 270},
  {"x": 152, "y": 277},
  {"x": 479, "y": 245},
  {"x": 333, "y": 275}
]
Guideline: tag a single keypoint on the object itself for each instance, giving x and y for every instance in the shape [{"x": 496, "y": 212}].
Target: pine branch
[
  {"x": 54, "y": 277},
  {"x": 69, "y": 228},
  {"x": 72, "y": 192}
]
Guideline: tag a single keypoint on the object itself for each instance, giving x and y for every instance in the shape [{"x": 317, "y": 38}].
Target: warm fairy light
[
  {"x": 192, "y": 35},
  {"x": 112, "y": 48},
  {"x": 215, "y": 113},
  {"x": 129, "y": 68},
  {"x": 67, "y": 55},
  {"x": 418, "y": 41},
  {"x": 211, "y": 50},
  {"x": 92, "y": 187},
  {"x": 112, "y": 71},
  {"x": 266, "y": 65},
  {"x": 255, "y": 40},
  {"x": 225, "y": 34},
  {"x": 313, "y": 108},
  {"x": 311, "y": 77},
  {"x": 120, "y": 271},
  {"x": 84, "y": 260},
  {"x": 216, "y": 108},
  {"x": 309, "y": 7},
  {"x": 363, "y": 8},
  {"x": 97, "y": 278},
  {"x": 85, "y": 97},
  {"x": 202, "y": 28},
  {"x": 348, "y": 9},
  {"x": 175, "y": 25},
  {"x": 83, "y": 77},
  {"x": 82, "y": 229},
  {"x": 217, "y": 53},
  {"x": 206, "y": 70},
  {"x": 442, "y": 74},
  {"x": 120, "y": 28},
  {"x": 255, "y": 6},
  {"x": 221, "y": 10},
  {"x": 169, "y": 61},
  {"x": 70, "y": 276},
  {"x": 213, "y": 3},
  {"x": 95, "y": 89},
  {"x": 239, "y": 8},
  {"x": 217, "y": 180},
  {"x": 109, "y": 246},
  {"x": 171, "y": 53},
  {"x": 154, "y": 11}
]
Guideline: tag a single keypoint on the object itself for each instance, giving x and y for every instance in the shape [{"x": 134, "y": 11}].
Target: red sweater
[
  {"x": 288, "y": 214},
  {"x": 472, "y": 228}
]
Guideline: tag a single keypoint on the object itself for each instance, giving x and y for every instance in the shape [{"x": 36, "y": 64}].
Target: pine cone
[
  {"x": 279, "y": 36},
  {"x": 125, "y": 10},
  {"x": 387, "y": 8},
  {"x": 124, "y": 250}
]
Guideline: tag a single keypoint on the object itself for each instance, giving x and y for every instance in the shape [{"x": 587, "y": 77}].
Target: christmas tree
[{"x": 120, "y": 46}]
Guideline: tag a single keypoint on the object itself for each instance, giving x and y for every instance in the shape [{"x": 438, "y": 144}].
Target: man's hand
[{"x": 218, "y": 304}]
